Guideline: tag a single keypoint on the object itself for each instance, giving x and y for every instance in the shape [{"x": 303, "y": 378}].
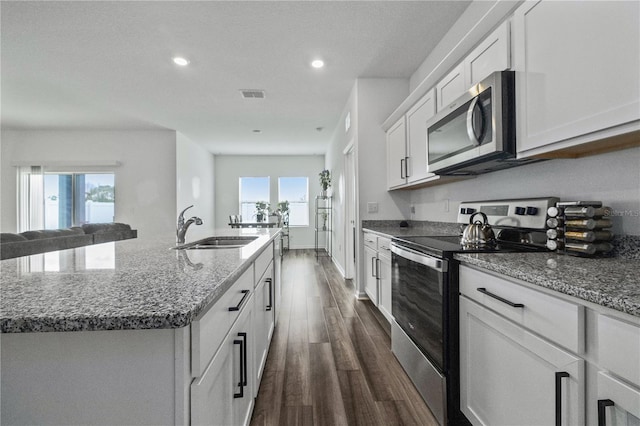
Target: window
[
  {"x": 295, "y": 190},
  {"x": 252, "y": 190},
  {"x": 73, "y": 199},
  {"x": 61, "y": 200}
]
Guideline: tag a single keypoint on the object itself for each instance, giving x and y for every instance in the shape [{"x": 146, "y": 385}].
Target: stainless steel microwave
[{"x": 475, "y": 133}]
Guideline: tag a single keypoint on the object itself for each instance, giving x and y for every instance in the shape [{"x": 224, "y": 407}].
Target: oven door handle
[{"x": 421, "y": 258}]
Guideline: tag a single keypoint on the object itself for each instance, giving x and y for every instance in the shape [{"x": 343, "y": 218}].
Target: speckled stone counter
[
  {"x": 133, "y": 284},
  {"x": 389, "y": 228},
  {"x": 610, "y": 282}
]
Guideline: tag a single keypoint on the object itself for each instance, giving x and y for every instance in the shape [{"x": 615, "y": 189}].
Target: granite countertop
[
  {"x": 133, "y": 284},
  {"x": 390, "y": 228},
  {"x": 610, "y": 282}
]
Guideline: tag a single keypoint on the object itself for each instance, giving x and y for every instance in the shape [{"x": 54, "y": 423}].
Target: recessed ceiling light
[
  {"x": 318, "y": 63},
  {"x": 180, "y": 61}
]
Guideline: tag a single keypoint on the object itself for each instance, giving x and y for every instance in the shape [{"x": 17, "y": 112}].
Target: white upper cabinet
[
  {"x": 417, "y": 118},
  {"x": 396, "y": 154},
  {"x": 451, "y": 87},
  {"x": 493, "y": 54},
  {"x": 578, "y": 72}
]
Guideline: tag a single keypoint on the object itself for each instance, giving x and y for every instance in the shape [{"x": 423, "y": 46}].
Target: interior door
[{"x": 350, "y": 212}]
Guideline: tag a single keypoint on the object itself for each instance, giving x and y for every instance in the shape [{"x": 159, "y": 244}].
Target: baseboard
[
  {"x": 338, "y": 267},
  {"x": 361, "y": 295}
]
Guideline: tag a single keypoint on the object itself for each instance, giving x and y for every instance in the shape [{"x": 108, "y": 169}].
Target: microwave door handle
[{"x": 471, "y": 131}]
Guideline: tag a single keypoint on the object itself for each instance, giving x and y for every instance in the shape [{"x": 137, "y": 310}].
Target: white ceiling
[{"x": 107, "y": 65}]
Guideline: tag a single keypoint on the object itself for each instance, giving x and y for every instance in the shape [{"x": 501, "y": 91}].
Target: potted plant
[
  {"x": 262, "y": 210},
  {"x": 324, "y": 216},
  {"x": 283, "y": 212},
  {"x": 325, "y": 181}
]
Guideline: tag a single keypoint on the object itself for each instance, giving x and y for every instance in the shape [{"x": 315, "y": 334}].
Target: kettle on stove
[{"x": 478, "y": 233}]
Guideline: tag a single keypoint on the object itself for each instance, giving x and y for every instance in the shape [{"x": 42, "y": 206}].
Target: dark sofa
[{"x": 45, "y": 240}]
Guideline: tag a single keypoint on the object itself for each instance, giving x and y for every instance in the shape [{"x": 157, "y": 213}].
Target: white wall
[
  {"x": 229, "y": 168},
  {"x": 145, "y": 180},
  {"x": 369, "y": 104},
  {"x": 334, "y": 161},
  {"x": 613, "y": 178},
  {"x": 478, "y": 19},
  {"x": 195, "y": 185}
]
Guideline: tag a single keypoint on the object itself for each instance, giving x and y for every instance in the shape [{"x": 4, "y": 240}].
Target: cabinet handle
[
  {"x": 241, "y": 382},
  {"x": 378, "y": 268},
  {"x": 406, "y": 167},
  {"x": 245, "y": 293},
  {"x": 269, "y": 282},
  {"x": 502, "y": 299},
  {"x": 373, "y": 274},
  {"x": 402, "y": 169},
  {"x": 559, "y": 376},
  {"x": 243, "y": 376},
  {"x": 602, "y": 411}
]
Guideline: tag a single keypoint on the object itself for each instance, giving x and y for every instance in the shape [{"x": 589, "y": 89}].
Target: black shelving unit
[{"x": 323, "y": 221}]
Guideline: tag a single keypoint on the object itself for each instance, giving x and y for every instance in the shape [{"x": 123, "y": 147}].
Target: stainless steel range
[{"x": 424, "y": 334}]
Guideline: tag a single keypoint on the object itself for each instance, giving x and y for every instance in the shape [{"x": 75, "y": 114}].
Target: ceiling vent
[{"x": 252, "y": 93}]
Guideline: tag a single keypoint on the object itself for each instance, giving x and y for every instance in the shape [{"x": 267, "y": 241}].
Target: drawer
[
  {"x": 263, "y": 261},
  {"x": 553, "y": 318},
  {"x": 384, "y": 247},
  {"x": 626, "y": 399},
  {"x": 210, "y": 328},
  {"x": 370, "y": 240},
  {"x": 619, "y": 348}
]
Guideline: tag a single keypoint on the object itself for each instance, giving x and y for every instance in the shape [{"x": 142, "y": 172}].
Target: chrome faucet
[{"x": 183, "y": 226}]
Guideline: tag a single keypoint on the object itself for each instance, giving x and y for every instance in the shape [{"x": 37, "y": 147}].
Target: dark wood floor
[{"x": 330, "y": 361}]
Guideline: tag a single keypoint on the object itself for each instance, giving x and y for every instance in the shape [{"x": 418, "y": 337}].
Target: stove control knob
[
  {"x": 520, "y": 211},
  {"x": 532, "y": 211}
]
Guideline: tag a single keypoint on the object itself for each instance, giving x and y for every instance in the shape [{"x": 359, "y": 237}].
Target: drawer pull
[
  {"x": 502, "y": 299},
  {"x": 559, "y": 376},
  {"x": 245, "y": 293},
  {"x": 602, "y": 411},
  {"x": 241, "y": 383},
  {"x": 269, "y": 282}
]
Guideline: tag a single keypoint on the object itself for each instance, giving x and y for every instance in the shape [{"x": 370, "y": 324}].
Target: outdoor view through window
[
  {"x": 295, "y": 190},
  {"x": 72, "y": 199}
]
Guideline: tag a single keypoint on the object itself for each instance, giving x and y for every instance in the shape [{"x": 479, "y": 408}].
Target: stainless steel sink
[{"x": 223, "y": 242}]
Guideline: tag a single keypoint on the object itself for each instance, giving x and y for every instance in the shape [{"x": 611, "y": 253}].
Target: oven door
[{"x": 418, "y": 297}]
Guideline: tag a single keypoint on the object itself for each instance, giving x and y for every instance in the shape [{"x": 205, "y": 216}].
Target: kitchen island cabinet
[{"x": 149, "y": 340}]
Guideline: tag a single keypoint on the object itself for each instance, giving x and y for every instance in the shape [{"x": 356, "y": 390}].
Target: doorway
[{"x": 350, "y": 213}]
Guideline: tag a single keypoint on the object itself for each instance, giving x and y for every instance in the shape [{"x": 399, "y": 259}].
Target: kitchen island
[{"x": 124, "y": 333}]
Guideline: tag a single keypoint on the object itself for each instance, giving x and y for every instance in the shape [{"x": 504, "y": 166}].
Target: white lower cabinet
[
  {"x": 377, "y": 282},
  {"x": 617, "y": 373},
  {"x": 224, "y": 393},
  {"x": 263, "y": 320},
  {"x": 384, "y": 277},
  {"x": 371, "y": 277},
  {"x": 618, "y": 402},
  {"x": 521, "y": 363},
  {"x": 514, "y": 368},
  {"x": 510, "y": 376}
]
